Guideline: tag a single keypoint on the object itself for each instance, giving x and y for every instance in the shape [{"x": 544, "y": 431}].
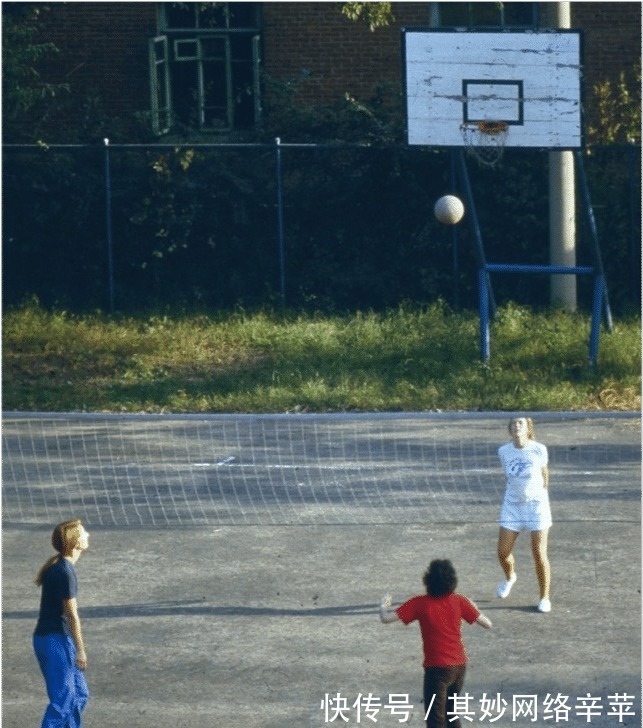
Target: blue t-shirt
[{"x": 58, "y": 583}]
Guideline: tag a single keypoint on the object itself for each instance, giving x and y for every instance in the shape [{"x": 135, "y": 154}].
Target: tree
[
  {"x": 616, "y": 107},
  {"x": 376, "y": 14},
  {"x": 25, "y": 95}
]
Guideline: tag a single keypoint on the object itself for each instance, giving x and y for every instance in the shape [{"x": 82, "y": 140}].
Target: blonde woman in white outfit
[{"x": 525, "y": 506}]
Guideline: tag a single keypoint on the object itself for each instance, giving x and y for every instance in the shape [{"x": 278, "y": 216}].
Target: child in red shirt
[{"x": 440, "y": 613}]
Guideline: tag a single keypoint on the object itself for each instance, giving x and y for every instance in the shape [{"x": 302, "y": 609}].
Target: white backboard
[{"x": 529, "y": 79}]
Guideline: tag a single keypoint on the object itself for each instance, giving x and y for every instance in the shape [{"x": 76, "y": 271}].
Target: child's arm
[
  {"x": 387, "y": 615},
  {"x": 483, "y": 621}
]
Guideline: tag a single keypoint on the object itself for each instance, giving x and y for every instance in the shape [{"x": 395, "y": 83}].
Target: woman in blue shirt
[{"x": 58, "y": 640}]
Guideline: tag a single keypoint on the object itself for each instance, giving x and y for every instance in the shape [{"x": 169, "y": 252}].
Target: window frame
[
  {"x": 160, "y": 85},
  {"x": 178, "y": 38},
  {"x": 500, "y": 9}
]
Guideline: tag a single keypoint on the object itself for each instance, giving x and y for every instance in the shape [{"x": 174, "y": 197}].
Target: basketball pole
[
  {"x": 474, "y": 226},
  {"x": 596, "y": 250},
  {"x": 562, "y": 198},
  {"x": 455, "y": 238}
]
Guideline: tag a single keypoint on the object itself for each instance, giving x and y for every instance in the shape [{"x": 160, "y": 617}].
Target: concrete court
[{"x": 252, "y": 625}]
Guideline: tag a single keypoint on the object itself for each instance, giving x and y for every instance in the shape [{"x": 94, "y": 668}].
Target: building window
[
  {"x": 489, "y": 15},
  {"x": 204, "y": 66}
]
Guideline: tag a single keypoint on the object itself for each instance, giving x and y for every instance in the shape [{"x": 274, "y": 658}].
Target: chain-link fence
[{"x": 330, "y": 227}]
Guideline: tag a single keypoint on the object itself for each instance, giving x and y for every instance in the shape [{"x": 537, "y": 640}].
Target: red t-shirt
[{"x": 440, "y": 626}]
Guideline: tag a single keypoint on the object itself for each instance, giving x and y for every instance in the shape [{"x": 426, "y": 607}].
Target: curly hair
[{"x": 440, "y": 578}]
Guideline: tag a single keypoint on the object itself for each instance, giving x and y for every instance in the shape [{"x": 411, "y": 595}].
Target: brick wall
[
  {"x": 103, "y": 51},
  {"x": 345, "y": 56},
  {"x": 336, "y": 54},
  {"x": 612, "y": 38},
  {"x": 104, "y": 47}
]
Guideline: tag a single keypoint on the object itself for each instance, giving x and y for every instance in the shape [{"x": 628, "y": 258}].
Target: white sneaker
[
  {"x": 505, "y": 586},
  {"x": 544, "y": 605}
]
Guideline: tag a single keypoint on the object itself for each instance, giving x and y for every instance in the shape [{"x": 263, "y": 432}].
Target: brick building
[{"x": 206, "y": 67}]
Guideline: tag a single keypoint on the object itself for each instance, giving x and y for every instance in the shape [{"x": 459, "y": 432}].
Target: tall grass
[{"x": 407, "y": 359}]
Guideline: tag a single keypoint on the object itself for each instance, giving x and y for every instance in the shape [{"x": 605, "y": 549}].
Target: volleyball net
[{"x": 169, "y": 470}]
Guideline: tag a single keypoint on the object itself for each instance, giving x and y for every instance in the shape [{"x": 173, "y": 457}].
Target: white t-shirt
[{"x": 523, "y": 468}]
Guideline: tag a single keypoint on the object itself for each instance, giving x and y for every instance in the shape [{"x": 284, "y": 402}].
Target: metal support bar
[
  {"x": 597, "y": 304},
  {"x": 455, "y": 239},
  {"x": 553, "y": 269},
  {"x": 475, "y": 225},
  {"x": 483, "y": 295},
  {"x": 591, "y": 222}
]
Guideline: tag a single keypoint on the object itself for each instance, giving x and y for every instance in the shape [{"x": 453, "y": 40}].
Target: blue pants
[{"x": 66, "y": 684}]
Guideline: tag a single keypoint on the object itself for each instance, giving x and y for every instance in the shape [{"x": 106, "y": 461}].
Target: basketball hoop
[{"x": 485, "y": 140}]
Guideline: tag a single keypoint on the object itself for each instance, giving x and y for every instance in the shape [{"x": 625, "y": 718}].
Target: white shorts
[{"x": 533, "y": 515}]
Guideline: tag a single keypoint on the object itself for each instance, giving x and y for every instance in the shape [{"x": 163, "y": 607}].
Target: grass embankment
[{"x": 410, "y": 359}]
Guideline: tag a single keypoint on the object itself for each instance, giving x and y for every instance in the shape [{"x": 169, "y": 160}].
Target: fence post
[
  {"x": 280, "y": 223},
  {"x": 108, "y": 226},
  {"x": 634, "y": 229},
  {"x": 483, "y": 292}
]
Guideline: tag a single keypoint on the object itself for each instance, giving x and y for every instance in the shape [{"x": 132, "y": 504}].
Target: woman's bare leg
[
  {"x": 539, "y": 543},
  {"x": 506, "y": 541}
]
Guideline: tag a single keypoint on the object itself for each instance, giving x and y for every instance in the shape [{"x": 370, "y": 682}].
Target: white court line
[{"x": 229, "y": 462}]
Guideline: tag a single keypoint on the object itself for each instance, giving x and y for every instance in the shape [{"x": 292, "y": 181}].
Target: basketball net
[{"x": 485, "y": 140}]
